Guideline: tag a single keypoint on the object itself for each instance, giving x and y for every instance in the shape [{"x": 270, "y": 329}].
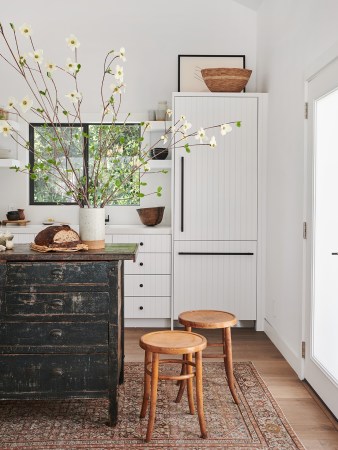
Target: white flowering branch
[{"x": 98, "y": 187}]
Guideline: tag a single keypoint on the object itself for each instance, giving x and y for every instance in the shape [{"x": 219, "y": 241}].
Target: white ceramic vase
[{"x": 92, "y": 227}]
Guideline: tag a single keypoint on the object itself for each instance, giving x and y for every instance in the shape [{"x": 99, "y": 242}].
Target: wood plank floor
[{"x": 312, "y": 422}]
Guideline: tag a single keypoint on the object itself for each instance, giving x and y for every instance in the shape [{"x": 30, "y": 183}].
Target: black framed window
[{"x": 83, "y": 141}]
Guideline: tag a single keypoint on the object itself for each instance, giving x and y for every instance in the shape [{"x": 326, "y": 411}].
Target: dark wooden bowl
[
  {"x": 13, "y": 215},
  {"x": 151, "y": 216},
  {"x": 159, "y": 153}
]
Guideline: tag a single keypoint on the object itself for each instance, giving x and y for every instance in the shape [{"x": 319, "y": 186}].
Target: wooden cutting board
[{"x": 15, "y": 222}]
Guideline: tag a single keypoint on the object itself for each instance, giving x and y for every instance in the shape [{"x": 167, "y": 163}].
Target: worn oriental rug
[{"x": 257, "y": 423}]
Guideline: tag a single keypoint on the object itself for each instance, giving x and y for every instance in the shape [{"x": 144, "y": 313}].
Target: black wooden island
[{"x": 61, "y": 323}]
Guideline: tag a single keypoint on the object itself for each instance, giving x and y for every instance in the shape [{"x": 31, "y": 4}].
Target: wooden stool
[
  {"x": 172, "y": 343},
  {"x": 210, "y": 319}
]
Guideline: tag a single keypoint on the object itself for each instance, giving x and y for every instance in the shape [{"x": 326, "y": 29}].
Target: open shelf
[
  {"x": 159, "y": 164},
  {"x": 158, "y": 125},
  {"x": 6, "y": 163}
]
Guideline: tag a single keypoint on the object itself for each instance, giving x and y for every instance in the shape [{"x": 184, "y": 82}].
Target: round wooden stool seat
[
  {"x": 170, "y": 342},
  {"x": 207, "y": 319},
  {"x": 173, "y": 342},
  {"x": 210, "y": 319}
]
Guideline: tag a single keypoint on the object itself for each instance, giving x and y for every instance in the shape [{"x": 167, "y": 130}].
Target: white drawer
[
  {"x": 147, "y": 308},
  {"x": 147, "y": 285},
  {"x": 147, "y": 243},
  {"x": 149, "y": 263}
]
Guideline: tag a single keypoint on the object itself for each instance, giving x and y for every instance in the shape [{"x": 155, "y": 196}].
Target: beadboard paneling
[
  {"x": 226, "y": 283},
  {"x": 220, "y": 184}
]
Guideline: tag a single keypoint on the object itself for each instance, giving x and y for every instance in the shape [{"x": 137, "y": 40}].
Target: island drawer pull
[
  {"x": 141, "y": 308},
  {"x": 57, "y": 371},
  {"x": 57, "y": 303},
  {"x": 57, "y": 273},
  {"x": 55, "y": 333}
]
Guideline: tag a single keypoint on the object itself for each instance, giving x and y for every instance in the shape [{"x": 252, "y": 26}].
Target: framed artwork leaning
[{"x": 189, "y": 69}]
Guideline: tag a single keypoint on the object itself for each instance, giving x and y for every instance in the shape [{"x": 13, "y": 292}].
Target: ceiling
[{"x": 252, "y": 4}]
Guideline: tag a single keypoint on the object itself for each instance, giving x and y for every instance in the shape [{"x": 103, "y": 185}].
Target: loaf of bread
[{"x": 58, "y": 236}]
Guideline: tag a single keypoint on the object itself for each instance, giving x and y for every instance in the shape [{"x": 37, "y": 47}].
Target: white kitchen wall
[
  {"x": 153, "y": 33},
  {"x": 291, "y": 36}
]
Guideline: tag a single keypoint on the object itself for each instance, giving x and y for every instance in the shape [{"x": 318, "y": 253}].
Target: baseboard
[
  {"x": 292, "y": 358},
  {"x": 147, "y": 323}
]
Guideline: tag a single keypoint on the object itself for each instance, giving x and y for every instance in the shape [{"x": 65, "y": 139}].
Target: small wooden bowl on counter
[{"x": 151, "y": 216}]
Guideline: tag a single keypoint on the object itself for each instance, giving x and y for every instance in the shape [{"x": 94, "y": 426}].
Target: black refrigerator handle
[{"x": 182, "y": 194}]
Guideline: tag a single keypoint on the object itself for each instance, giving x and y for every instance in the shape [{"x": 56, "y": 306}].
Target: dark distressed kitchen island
[{"x": 61, "y": 323}]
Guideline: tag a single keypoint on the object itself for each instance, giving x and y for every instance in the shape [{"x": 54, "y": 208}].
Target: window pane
[
  {"x": 47, "y": 146},
  {"x": 119, "y": 146}
]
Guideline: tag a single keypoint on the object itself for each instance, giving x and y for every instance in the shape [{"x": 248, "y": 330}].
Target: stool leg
[
  {"x": 181, "y": 382},
  {"x": 199, "y": 394},
  {"x": 153, "y": 396},
  {"x": 227, "y": 348},
  {"x": 190, "y": 389},
  {"x": 146, "y": 387}
]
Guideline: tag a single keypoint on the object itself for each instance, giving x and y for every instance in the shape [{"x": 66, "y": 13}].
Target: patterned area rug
[{"x": 257, "y": 423}]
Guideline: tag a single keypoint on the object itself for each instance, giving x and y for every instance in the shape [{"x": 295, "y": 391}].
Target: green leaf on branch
[
  {"x": 12, "y": 26},
  {"x": 42, "y": 92},
  {"x": 159, "y": 191},
  {"x": 40, "y": 110},
  {"x": 238, "y": 124},
  {"x": 33, "y": 176},
  {"x": 78, "y": 68},
  {"x": 187, "y": 148},
  {"x": 139, "y": 194},
  {"x": 65, "y": 113},
  {"x": 143, "y": 183},
  {"x": 49, "y": 75},
  {"x": 164, "y": 171}
]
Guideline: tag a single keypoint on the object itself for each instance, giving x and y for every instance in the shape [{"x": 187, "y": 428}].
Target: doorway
[{"x": 321, "y": 310}]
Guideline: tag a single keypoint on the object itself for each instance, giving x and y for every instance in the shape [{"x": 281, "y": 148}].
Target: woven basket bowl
[{"x": 226, "y": 80}]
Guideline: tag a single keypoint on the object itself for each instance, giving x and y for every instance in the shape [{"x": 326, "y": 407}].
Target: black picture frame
[{"x": 189, "y": 65}]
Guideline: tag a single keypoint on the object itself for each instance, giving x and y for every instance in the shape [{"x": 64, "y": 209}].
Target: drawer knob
[
  {"x": 55, "y": 333},
  {"x": 141, "y": 285},
  {"x": 141, "y": 307},
  {"x": 141, "y": 243},
  {"x": 57, "y": 303},
  {"x": 141, "y": 263},
  {"x": 57, "y": 371},
  {"x": 57, "y": 274}
]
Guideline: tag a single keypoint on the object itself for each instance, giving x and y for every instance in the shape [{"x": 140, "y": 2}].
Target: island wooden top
[{"x": 112, "y": 252}]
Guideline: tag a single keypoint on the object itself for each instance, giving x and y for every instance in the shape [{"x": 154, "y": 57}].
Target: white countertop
[{"x": 110, "y": 229}]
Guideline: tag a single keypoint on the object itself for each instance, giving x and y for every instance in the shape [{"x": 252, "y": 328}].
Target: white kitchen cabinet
[
  {"x": 219, "y": 207},
  {"x": 147, "y": 282},
  {"x": 216, "y": 189},
  {"x": 217, "y": 275}
]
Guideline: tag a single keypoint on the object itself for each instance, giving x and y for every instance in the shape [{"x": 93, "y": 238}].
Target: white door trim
[
  {"x": 310, "y": 73},
  {"x": 316, "y": 374}
]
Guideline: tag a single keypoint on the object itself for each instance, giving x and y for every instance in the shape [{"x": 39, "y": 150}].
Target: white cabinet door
[
  {"x": 215, "y": 275},
  {"x": 216, "y": 188}
]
